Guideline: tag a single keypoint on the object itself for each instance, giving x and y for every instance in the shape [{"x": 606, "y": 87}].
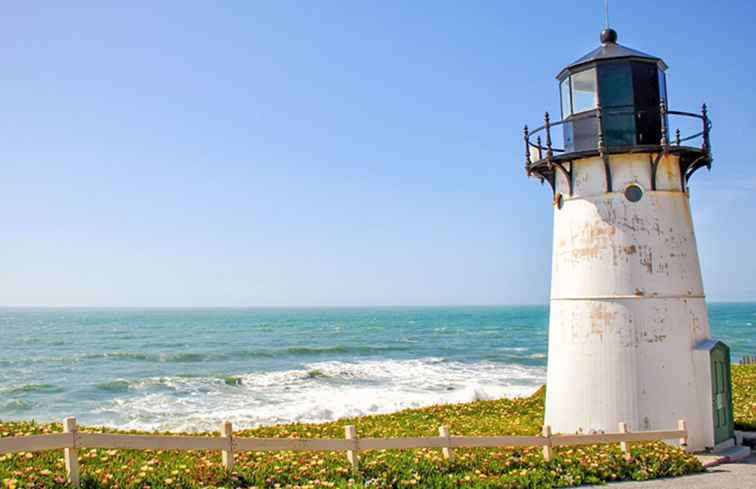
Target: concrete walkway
[{"x": 740, "y": 475}]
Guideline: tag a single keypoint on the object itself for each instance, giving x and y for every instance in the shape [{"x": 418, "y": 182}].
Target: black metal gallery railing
[{"x": 543, "y": 158}]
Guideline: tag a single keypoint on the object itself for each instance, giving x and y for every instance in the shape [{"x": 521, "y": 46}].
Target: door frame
[{"x": 724, "y": 350}]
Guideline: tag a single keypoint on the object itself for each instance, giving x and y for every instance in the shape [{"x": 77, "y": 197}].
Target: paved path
[{"x": 741, "y": 475}]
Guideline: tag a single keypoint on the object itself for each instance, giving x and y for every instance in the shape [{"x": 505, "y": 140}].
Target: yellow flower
[{"x": 168, "y": 481}]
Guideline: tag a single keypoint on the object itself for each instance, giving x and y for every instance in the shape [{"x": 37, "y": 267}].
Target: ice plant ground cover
[
  {"x": 476, "y": 468},
  {"x": 744, "y": 396}
]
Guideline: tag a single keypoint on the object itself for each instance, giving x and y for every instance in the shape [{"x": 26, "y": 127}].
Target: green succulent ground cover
[
  {"x": 475, "y": 468},
  {"x": 744, "y": 396}
]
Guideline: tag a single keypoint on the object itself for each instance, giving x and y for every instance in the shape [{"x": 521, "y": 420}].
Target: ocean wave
[
  {"x": 343, "y": 349},
  {"x": 17, "y": 406},
  {"x": 302, "y": 350},
  {"x": 185, "y": 357},
  {"x": 199, "y": 356},
  {"x": 114, "y": 386},
  {"x": 116, "y": 355},
  {"x": 12, "y": 391},
  {"x": 321, "y": 391}
]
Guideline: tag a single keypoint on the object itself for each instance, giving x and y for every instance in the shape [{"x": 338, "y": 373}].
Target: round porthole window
[{"x": 633, "y": 192}]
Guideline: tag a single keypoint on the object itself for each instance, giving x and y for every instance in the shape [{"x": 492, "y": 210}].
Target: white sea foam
[{"x": 321, "y": 391}]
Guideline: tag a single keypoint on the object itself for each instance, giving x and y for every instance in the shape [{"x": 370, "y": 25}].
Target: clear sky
[{"x": 277, "y": 153}]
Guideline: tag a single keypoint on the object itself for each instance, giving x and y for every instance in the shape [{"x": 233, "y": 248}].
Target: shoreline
[{"x": 458, "y": 397}]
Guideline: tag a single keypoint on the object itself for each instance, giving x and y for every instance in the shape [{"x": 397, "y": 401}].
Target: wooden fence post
[
  {"x": 682, "y": 426},
  {"x": 443, "y": 432},
  {"x": 227, "y": 431},
  {"x": 71, "y": 455},
  {"x": 353, "y": 455},
  {"x": 547, "y": 450},
  {"x": 624, "y": 446}
]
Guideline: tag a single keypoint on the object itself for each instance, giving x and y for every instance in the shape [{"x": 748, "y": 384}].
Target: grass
[
  {"x": 474, "y": 468},
  {"x": 744, "y": 396}
]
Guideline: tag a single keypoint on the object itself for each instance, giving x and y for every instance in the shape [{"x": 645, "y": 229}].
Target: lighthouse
[{"x": 629, "y": 338}]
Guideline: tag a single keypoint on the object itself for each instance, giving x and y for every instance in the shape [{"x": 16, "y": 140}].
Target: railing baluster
[
  {"x": 526, "y": 136},
  {"x": 602, "y": 148},
  {"x": 540, "y": 148},
  {"x": 705, "y": 115},
  {"x": 664, "y": 130},
  {"x": 547, "y": 126},
  {"x": 601, "y": 143},
  {"x": 677, "y": 137}
]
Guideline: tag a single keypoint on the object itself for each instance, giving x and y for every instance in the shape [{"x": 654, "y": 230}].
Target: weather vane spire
[{"x": 606, "y": 14}]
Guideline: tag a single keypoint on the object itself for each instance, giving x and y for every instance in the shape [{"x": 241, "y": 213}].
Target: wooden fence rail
[{"x": 72, "y": 439}]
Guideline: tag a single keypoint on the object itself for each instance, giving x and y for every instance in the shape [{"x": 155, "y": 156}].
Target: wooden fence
[
  {"x": 72, "y": 439},
  {"x": 748, "y": 360}
]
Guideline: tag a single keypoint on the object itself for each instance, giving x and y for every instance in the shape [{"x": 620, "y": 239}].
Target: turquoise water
[{"x": 189, "y": 369}]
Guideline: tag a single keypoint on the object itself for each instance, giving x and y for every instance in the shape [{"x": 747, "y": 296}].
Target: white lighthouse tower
[{"x": 629, "y": 336}]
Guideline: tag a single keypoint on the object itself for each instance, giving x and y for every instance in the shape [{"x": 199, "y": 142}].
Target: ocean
[{"x": 190, "y": 369}]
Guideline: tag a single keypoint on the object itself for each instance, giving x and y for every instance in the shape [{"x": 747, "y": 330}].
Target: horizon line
[{"x": 377, "y": 306}]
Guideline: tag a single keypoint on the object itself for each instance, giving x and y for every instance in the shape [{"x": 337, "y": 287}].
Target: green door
[{"x": 722, "y": 393}]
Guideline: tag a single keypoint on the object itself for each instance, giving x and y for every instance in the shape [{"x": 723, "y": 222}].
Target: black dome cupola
[
  {"x": 610, "y": 50},
  {"x": 614, "y": 100}
]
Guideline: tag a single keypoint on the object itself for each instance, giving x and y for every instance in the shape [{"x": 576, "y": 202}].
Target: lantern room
[
  {"x": 626, "y": 84},
  {"x": 614, "y": 101}
]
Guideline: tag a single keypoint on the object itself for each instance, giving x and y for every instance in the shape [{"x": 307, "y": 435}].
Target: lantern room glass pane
[
  {"x": 566, "y": 99},
  {"x": 646, "y": 95},
  {"x": 663, "y": 92},
  {"x": 663, "y": 86},
  {"x": 616, "y": 93},
  {"x": 616, "y": 83},
  {"x": 619, "y": 127},
  {"x": 583, "y": 90},
  {"x": 646, "y": 85}
]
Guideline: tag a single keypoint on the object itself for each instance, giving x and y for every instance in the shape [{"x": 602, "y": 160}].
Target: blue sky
[{"x": 336, "y": 153}]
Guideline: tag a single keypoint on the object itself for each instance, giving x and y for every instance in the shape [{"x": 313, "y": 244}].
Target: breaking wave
[{"x": 322, "y": 391}]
